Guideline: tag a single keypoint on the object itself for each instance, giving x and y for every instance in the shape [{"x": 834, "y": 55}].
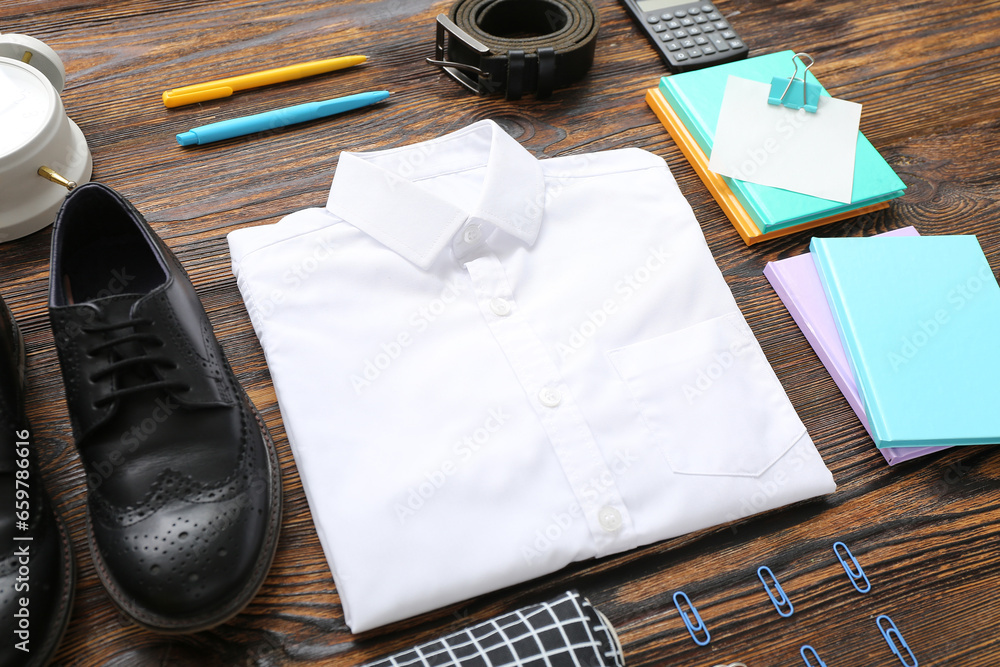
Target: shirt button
[
  {"x": 472, "y": 234},
  {"x": 610, "y": 519},
  {"x": 500, "y": 307},
  {"x": 550, "y": 397}
]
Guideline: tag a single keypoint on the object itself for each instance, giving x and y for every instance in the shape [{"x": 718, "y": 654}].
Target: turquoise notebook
[
  {"x": 697, "y": 98},
  {"x": 920, "y": 320}
]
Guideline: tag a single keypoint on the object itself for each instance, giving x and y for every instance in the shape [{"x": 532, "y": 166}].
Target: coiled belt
[{"x": 517, "y": 46}]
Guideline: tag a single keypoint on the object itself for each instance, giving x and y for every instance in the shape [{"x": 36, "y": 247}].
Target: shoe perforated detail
[
  {"x": 184, "y": 545},
  {"x": 171, "y": 486}
]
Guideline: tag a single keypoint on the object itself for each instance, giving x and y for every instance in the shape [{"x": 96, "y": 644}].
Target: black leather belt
[{"x": 517, "y": 46}]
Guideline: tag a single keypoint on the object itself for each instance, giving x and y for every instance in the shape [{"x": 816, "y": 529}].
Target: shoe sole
[
  {"x": 171, "y": 625},
  {"x": 65, "y": 608}
]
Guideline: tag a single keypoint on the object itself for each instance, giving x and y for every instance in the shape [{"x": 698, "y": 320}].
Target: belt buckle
[{"x": 457, "y": 71}]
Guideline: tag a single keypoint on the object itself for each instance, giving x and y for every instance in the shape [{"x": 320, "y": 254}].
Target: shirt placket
[{"x": 593, "y": 482}]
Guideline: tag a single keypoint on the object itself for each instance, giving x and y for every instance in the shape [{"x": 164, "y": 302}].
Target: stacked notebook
[
  {"x": 798, "y": 286},
  {"x": 907, "y": 326},
  {"x": 688, "y": 105}
]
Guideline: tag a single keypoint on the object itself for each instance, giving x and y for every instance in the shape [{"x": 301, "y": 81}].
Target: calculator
[{"x": 688, "y": 35}]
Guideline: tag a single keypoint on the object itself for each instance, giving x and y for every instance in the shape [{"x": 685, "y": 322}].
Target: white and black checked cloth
[{"x": 564, "y": 632}]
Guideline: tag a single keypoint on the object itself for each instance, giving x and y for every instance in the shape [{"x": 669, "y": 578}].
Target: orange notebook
[{"x": 728, "y": 202}]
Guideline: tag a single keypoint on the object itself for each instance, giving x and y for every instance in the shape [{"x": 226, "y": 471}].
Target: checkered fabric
[{"x": 564, "y": 632}]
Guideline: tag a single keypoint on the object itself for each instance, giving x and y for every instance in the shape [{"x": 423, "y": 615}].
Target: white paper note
[{"x": 792, "y": 149}]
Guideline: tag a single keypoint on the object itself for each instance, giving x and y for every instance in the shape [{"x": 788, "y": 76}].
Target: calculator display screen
[{"x": 653, "y": 5}]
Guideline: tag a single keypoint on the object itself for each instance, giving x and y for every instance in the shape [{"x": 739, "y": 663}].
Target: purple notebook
[{"x": 797, "y": 283}]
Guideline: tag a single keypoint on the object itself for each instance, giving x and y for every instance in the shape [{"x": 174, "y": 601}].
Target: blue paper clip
[
  {"x": 698, "y": 625},
  {"x": 856, "y": 574},
  {"x": 805, "y": 651},
  {"x": 895, "y": 641},
  {"x": 793, "y": 87},
  {"x": 780, "y": 601}
]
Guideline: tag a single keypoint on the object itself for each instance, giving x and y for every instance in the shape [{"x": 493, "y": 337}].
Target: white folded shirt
[{"x": 490, "y": 366}]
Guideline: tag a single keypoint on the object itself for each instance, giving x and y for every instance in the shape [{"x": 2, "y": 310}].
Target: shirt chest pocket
[{"x": 710, "y": 399}]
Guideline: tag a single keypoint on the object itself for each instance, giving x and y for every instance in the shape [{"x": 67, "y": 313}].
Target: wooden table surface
[{"x": 927, "y": 531}]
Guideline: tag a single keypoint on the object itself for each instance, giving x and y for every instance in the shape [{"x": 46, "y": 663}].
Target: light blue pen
[{"x": 300, "y": 113}]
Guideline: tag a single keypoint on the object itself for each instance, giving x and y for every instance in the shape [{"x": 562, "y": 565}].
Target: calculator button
[
  {"x": 700, "y": 19},
  {"x": 721, "y": 25},
  {"x": 659, "y": 27},
  {"x": 694, "y": 31},
  {"x": 707, "y": 8},
  {"x": 673, "y": 25},
  {"x": 736, "y": 44},
  {"x": 666, "y": 37},
  {"x": 708, "y": 27},
  {"x": 680, "y": 13},
  {"x": 666, "y": 16},
  {"x": 714, "y": 16},
  {"x": 673, "y": 46},
  {"x": 680, "y": 56},
  {"x": 719, "y": 43},
  {"x": 694, "y": 10},
  {"x": 680, "y": 34},
  {"x": 728, "y": 34},
  {"x": 708, "y": 49},
  {"x": 687, "y": 43},
  {"x": 700, "y": 40},
  {"x": 653, "y": 19},
  {"x": 686, "y": 21},
  {"x": 694, "y": 53}
]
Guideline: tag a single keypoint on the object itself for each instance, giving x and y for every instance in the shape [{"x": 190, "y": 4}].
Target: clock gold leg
[
  {"x": 26, "y": 58},
  {"x": 52, "y": 175}
]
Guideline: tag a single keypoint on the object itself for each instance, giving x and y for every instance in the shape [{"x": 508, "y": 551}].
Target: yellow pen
[{"x": 213, "y": 90}]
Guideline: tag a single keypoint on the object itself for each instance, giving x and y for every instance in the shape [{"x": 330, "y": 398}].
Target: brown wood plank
[{"x": 928, "y": 531}]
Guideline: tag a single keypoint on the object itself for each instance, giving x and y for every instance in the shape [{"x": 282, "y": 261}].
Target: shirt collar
[{"x": 379, "y": 192}]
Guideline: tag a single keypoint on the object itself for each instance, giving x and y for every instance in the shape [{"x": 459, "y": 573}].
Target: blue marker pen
[{"x": 237, "y": 127}]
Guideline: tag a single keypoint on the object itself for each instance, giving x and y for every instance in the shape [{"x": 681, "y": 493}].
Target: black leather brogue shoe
[
  {"x": 184, "y": 489},
  {"x": 36, "y": 561}
]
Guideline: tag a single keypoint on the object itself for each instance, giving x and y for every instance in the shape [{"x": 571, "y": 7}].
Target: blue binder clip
[
  {"x": 774, "y": 591},
  {"x": 697, "y": 625},
  {"x": 895, "y": 640},
  {"x": 794, "y": 88},
  {"x": 855, "y": 573},
  {"x": 808, "y": 650}
]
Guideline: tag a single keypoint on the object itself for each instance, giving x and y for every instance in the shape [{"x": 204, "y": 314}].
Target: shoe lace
[{"x": 132, "y": 356}]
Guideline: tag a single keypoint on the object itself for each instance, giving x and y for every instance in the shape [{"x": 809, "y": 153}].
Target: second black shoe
[
  {"x": 184, "y": 489},
  {"x": 37, "y": 572}
]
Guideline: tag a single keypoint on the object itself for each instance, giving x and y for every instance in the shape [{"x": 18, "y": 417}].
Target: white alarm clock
[{"x": 42, "y": 152}]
